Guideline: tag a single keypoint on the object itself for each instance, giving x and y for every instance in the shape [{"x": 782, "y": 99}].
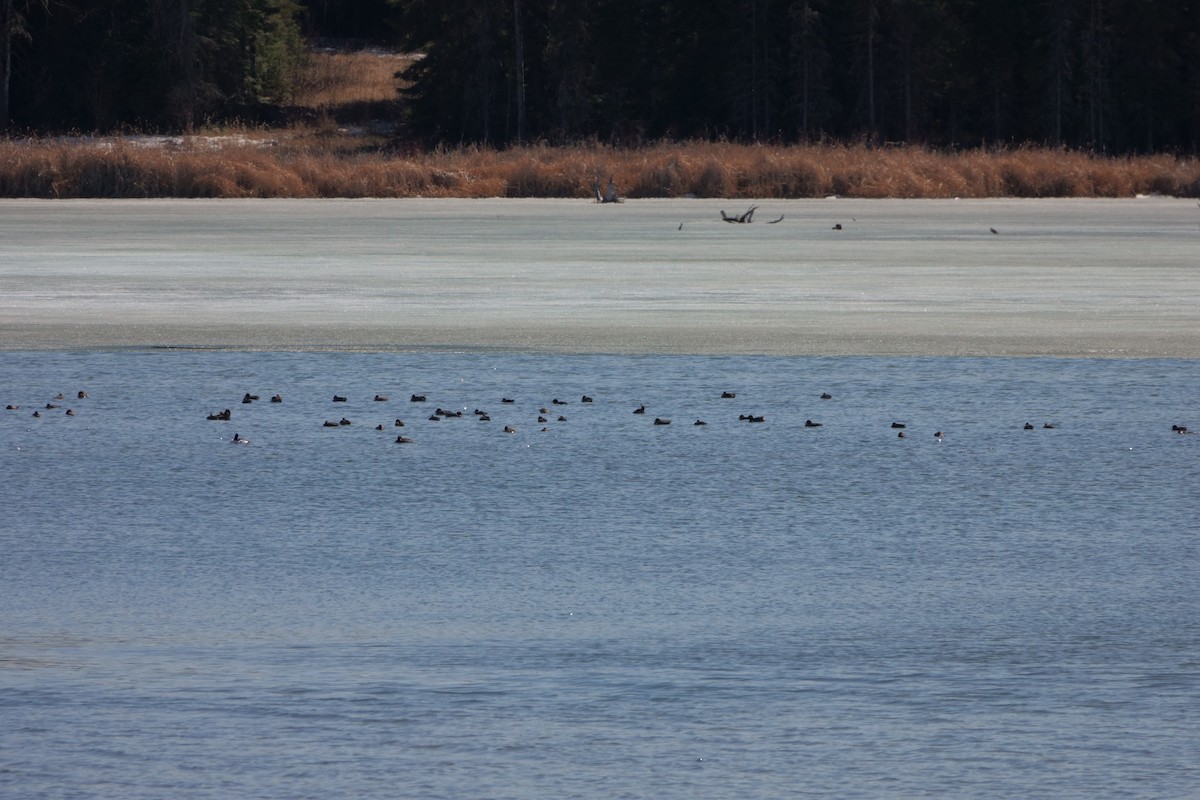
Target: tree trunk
[
  {"x": 520, "y": 46},
  {"x": 804, "y": 40},
  {"x": 1097, "y": 57},
  {"x": 871, "y": 12},
  {"x": 6, "y": 31},
  {"x": 908, "y": 79},
  {"x": 807, "y": 66},
  {"x": 1058, "y": 68},
  {"x": 484, "y": 40},
  {"x": 754, "y": 70}
]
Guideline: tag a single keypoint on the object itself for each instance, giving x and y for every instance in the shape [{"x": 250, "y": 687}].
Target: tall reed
[{"x": 316, "y": 163}]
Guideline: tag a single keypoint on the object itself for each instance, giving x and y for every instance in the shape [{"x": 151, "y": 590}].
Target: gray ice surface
[{"x": 1058, "y": 277}]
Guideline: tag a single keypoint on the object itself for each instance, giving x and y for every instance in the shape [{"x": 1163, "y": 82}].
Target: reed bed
[{"x": 328, "y": 163}]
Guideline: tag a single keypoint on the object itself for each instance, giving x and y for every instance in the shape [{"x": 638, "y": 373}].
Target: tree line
[
  {"x": 1108, "y": 75},
  {"x": 1114, "y": 76},
  {"x": 143, "y": 64}
]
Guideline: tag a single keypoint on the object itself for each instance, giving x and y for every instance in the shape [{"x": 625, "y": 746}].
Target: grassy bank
[{"x": 325, "y": 161}]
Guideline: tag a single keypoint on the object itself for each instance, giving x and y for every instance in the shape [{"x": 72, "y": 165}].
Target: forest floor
[{"x": 340, "y": 140}]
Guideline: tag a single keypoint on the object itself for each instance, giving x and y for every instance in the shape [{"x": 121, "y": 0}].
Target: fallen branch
[
  {"x": 741, "y": 219},
  {"x": 610, "y": 192}
]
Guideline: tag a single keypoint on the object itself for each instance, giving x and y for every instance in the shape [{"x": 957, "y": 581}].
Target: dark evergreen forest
[{"x": 1113, "y": 76}]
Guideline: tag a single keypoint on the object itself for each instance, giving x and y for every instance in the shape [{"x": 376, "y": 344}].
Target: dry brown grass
[
  {"x": 329, "y": 79},
  {"x": 321, "y": 162}
]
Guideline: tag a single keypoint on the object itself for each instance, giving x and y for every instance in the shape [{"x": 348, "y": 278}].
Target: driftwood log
[
  {"x": 609, "y": 195},
  {"x": 746, "y": 217},
  {"x": 740, "y": 218}
]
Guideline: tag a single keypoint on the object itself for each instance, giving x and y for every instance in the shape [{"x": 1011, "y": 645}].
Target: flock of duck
[
  {"x": 545, "y": 415},
  {"x": 55, "y": 404},
  {"x": 439, "y": 414}
]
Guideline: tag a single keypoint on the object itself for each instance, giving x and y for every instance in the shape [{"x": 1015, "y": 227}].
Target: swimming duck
[
  {"x": 699, "y": 422},
  {"x": 222, "y": 415},
  {"x": 417, "y": 398},
  {"x": 398, "y": 423},
  {"x": 403, "y": 440},
  {"x": 275, "y": 398},
  {"x": 585, "y": 399},
  {"x": 380, "y": 398},
  {"x": 330, "y": 424},
  {"x": 1028, "y": 426},
  {"x": 728, "y": 395},
  {"x": 640, "y": 409},
  {"x": 237, "y": 439},
  {"x": 826, "y": 396},
  {"x": 661, "y": 421},
  {"x": 507, "y": 400},
  {"x": 81, "y": 394},
  {"x": 343, "y": 421},
  {"x": 337, "y": 398},
  {"x": 899, "y": 425},
  {"x": 509, "y": 429},
  {"x": 808, "y": 423}
]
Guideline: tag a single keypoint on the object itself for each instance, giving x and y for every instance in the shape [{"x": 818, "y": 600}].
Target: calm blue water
[{"x": 608, "y": 608}]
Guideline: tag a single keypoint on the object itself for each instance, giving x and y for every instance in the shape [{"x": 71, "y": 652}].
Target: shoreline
[{"x": 681, "y": 343}]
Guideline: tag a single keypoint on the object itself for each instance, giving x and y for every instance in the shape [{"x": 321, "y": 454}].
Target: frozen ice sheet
[{"x": 1058, "y": 277}]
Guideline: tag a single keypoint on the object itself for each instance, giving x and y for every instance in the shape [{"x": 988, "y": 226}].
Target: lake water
[{"x": 606, "y": 607}]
